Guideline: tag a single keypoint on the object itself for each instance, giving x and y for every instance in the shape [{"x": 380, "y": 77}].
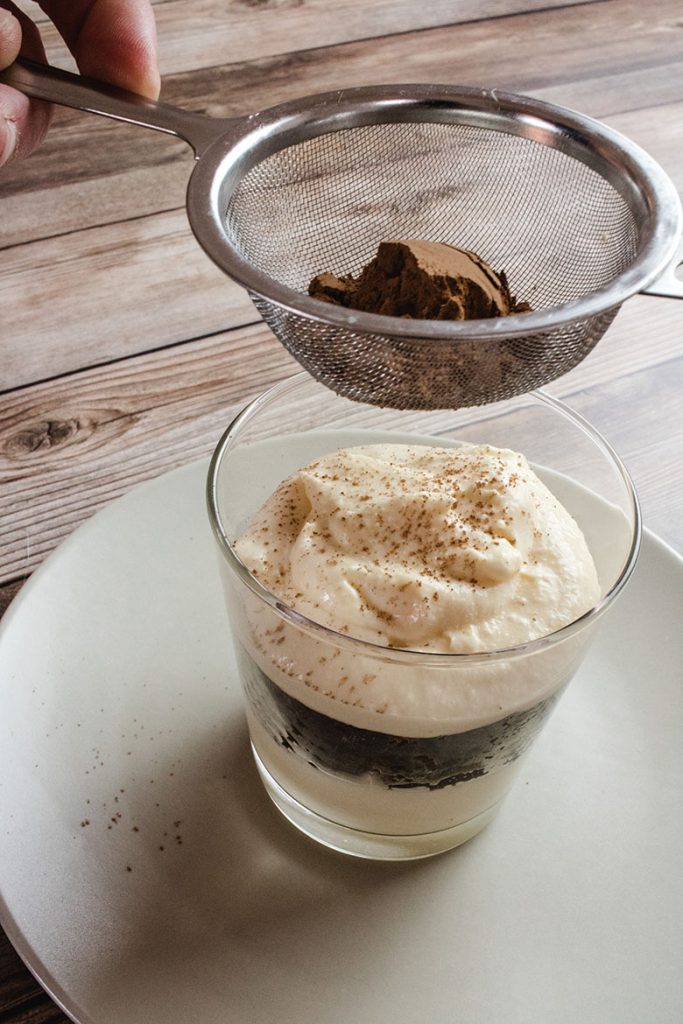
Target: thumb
[
  {"x": 23, "y": 122},
  {"x": 10, "y": 38},
  {"x": 10, "y": 41}
]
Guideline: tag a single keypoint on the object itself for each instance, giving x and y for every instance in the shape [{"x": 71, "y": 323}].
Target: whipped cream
[{"x": 453, "y": 550}]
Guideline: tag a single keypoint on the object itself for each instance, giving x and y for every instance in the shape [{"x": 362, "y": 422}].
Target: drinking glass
[{"x": 408, "y": 785}]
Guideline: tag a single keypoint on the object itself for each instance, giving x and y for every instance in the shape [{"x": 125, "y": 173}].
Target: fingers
[
  {"x": 23, "y": 122},
  {"x": 10, "y": 37},
  {"x": 113, "y": 40}
]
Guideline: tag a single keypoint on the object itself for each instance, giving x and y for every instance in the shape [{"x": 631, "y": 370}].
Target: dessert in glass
[{"x": 409, "y": 594}]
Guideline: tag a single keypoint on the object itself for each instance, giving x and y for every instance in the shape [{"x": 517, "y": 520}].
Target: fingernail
[{"x": 8, "y": 140}]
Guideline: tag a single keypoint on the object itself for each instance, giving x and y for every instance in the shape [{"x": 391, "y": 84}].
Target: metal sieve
[{"x": 578, "y": 217}]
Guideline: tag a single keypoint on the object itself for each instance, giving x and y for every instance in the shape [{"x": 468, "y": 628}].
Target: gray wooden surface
[{"x": 124, "y": 351}]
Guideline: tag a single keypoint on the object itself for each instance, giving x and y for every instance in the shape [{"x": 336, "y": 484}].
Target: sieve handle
[
  {"x": 669, "y": 284},
  {"x": 43, "y": 82}
]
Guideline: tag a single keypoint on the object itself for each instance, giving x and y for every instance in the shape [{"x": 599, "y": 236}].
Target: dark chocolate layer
[{"x": 399, "y": 761}]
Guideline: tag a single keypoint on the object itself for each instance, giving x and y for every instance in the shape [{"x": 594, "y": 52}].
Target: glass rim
[{"x": 409, "y": 655}]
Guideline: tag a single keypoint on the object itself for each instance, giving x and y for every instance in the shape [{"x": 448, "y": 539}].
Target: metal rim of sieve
[{"x": 632, "y": 172}]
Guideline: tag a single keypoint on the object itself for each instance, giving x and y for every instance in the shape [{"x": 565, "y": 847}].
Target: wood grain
[
  {"x": 110, "y": 292},
  {"x": 204, "y": 34},
  {"x": 68, "y": 449},
  {"x": 535, "y": 52},
  {"x": 7, "y": 594},
  {"x": 22, "y": 1001},
  {"x": 650, "y": 442}
]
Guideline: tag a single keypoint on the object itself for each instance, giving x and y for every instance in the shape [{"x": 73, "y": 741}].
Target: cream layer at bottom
[{"x": 365, "y": 803}]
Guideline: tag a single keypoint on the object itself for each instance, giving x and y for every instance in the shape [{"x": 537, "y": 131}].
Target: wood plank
[
  {"x": 119, "y": 289},
  {"x": 641, "y": 415},
  {"x": 7, "y": 595},
  {"x": 23, "y": 1000},
  {"x": 70, "y": 446},
  {"x": 202, "y": 35},
  {"x": 642, "y": 71},
  {"x": 68, "y": 449}
]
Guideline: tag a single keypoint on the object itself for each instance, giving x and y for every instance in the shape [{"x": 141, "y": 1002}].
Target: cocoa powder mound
[{"x": 421, "y": 280}]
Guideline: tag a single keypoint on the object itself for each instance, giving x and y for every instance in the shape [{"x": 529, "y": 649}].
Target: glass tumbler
[{"x": 402, "y": 786}]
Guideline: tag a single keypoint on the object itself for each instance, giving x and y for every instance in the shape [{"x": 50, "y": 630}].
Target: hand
[{"x": 112, "y": 40}]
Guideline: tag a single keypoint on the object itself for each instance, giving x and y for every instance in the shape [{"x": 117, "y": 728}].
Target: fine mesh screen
[{"x": 556, "y": 227}]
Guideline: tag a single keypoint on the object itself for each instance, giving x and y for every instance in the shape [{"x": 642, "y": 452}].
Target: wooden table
[{"x": 124, "y": 351}]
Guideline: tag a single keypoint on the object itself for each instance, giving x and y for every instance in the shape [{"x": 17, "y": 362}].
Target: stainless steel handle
[
  {"x": 43, "y": 82},
  {"x": 669, "y": 284}
]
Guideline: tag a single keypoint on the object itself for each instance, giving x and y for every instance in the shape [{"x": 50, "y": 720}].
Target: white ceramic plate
[{"x": 145, "y": 876}]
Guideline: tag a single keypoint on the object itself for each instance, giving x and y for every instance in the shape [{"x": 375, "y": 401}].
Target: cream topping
[{"x": 437, "y": 549}]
